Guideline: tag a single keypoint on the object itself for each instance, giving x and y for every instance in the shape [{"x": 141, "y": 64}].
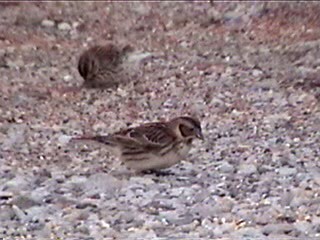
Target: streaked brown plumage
[
  {"x": 152, "y": 146},
  {"x": 101, "y": 65}
]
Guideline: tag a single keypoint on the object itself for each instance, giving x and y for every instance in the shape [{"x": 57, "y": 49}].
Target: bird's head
[{"x": 187, "y": 128}]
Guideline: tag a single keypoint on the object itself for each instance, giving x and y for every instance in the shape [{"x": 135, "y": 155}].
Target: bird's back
[{"x": 99, "y": 64}]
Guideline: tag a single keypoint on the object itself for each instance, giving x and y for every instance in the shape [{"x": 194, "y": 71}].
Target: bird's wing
[
  {"x": 108, "y": 56},
  {"x": 152, "y": 135}
]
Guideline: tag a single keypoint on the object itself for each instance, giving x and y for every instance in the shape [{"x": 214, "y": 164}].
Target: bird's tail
[{"x": 101, "y": 139}]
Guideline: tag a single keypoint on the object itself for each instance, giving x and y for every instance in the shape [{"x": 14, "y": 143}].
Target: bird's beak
[{"x": 199, "y": 135}]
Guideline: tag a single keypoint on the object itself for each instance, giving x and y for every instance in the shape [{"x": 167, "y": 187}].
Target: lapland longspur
[
  {"x": 101, "y": 66},
  {"x": 152, "y": 146}
]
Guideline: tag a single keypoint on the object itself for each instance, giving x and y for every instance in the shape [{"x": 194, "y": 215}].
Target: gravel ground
[{"x": 250, "y": 70}]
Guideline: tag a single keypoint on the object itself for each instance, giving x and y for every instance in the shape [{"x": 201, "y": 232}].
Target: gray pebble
[
  {"x": 64, "y": 139},
  {"x": 7, "y": 213},
  {"x": 226, "y": 167},
  {"x": 287, "y": 171},
  {"x": 136, "y": 233},
  {"x": 21, "y": 215},
  {"x": 85, "y": 203},
  {"x": 24, "y": 202},
  {"x": 281, "y": 228},
  {"x": 17, "y": 184},
  {"x": 64, "y": 26},
  {"x": 247, "y": 169},
  {"x": 306, "y": 228},
  {"x": 37, "y": 213},
  {"x": 15, "y": 136},
  {"x": 249, "y": 233},
  {"x": 77, "y": 183},
  {"x": 181, "y": 220},
  {"x": 101, "y": 183}
]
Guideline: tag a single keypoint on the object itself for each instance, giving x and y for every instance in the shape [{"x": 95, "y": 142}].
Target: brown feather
[{"x": 100, "y": 65}]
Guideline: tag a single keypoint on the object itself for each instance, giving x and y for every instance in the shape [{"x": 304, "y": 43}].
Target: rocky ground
[{"x": 249, "y": 70}]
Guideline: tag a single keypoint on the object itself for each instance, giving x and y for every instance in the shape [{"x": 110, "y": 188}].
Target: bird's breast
[
  {"x": 157, "y": 160},
  {"x": 183, "y": 149}
]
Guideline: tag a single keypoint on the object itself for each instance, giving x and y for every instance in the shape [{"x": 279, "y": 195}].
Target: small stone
[
  {"x": 182, "y": 220},
  {"x": 59, "y": 177},
  {"x": 281, "y": 236},
  {"x": 15, "y": 136},
  {"x": 169, "y": 216},
  {"x": 142, "y": 180},
  {"x": 82, "y": 228},
  {"x": 215, "y": 14},
  {"x": 281, "y": 228},
  {"x": 316, "y": 178},
  {"x": 67, "y": 78},
  {"x": 17, "y": 184},
  {"x": 234, "y": 14},
  {"x": 249, "y": 233},
  {"x": 176, "y": 192},
  {"x": 77, "y": 183},
  {"x": 47, "y": 23},
  {"x": 37, "y": 213},
  {"x": 304, "y": 227},
  {"x": 101, "y": 183},
  {"x": 296, "y": 139},
  {"x": 184, "y": 44},
  {"x": 19, "y": 213},
  {"x": 7, "y": 213},
  {"x": 287, "y": 171},
  {"x": 216, "y": 102},
  {"x": 135, "y": 233},
  {"x": 169, "y": 103},
  {"x": 23, "y": 202},
  {"x": 87, "y": 202},
  {"x": 64, "y": 139},
  {"x": 64, "y": 26},
  {"x": 205, "y": 210},
  {"x": 256, "y": 72},
  {"x": 98, "y": 126},
  {"x": 247, "y": 169},
  {"x": 35, "y": 225},
  {"x": 286, "y": 198},
  {"x": 75, "y": 24},
  {"x": 138, "y": 56},
  {"x": 226, "y": 167}
]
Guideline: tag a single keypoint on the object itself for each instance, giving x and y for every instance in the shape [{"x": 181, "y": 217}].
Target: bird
[
  {"x": 101, "y": 66},
  {"x": 152, "y": 146}
]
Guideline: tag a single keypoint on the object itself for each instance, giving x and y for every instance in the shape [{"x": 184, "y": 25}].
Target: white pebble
[
  {"x": 63, "y": 139},
  {"x": 67, "y": 78},
  {"x": 64, "y": 26},
  {"x": 47, "y": 23},
  {"x": 256, "y": 72}
]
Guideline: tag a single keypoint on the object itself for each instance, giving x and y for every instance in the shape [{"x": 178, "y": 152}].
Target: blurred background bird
[
  {"x": 102, "y": 66},
  {"x": 109, "y": 65}
]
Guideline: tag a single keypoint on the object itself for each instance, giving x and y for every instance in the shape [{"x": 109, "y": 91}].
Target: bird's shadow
[{"x": 157, "y": 173}]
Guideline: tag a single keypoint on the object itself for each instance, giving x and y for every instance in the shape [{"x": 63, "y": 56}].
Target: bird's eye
[{"x": 185, "y": 130}]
